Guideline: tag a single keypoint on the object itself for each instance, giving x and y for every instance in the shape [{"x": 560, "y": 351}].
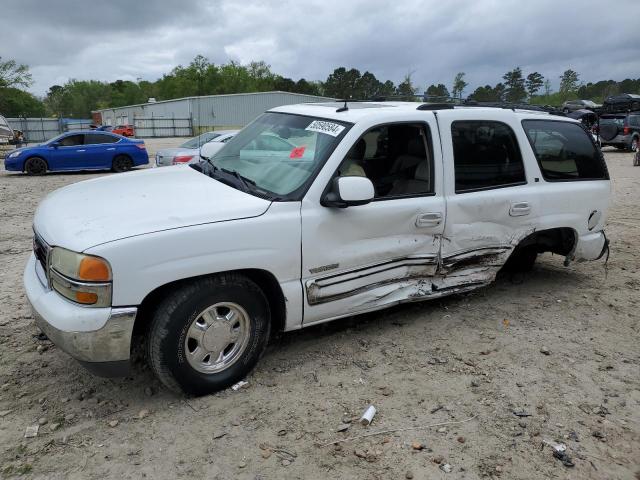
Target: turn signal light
[
  {"x": 94, "y": 269},
  {"x": 87, "y": 298},
  {"x": 182, "y": 159}
]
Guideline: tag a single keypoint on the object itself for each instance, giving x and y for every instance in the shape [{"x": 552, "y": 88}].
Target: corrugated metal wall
[
  {"x": 208, "y": 112},
  {"x": 36, "y": 130}
]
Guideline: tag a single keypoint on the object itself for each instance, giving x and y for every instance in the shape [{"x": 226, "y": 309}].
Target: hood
[{"x": 105, "y": 209}]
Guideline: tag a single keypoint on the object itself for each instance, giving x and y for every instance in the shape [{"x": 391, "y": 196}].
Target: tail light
[
  {"x": 182, "y": 159},
  {"x": 626, "y": 131},
  {"x": 141, "y": 146}
]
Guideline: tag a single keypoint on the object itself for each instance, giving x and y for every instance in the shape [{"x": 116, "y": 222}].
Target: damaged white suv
[{"x": 311, "y": 213}]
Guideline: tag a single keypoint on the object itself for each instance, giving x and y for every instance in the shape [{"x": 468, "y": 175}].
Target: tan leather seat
[{"x": 421, "y": 183}]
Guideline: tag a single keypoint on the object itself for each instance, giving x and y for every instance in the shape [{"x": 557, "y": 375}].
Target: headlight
[
  {"x": 81, "y": 278},
  {"x": 15, "y": 154}
]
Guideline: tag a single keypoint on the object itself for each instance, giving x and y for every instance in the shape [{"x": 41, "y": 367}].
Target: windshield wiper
[{"x": 244, "y": 180}]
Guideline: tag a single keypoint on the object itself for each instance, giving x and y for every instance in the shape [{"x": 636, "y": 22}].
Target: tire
[
  {"x": 35, "y": 166},
  {"x": 192, "y": 321},
  {"x": 121, "y": 163},
  {"x": 521, "y": 260}
]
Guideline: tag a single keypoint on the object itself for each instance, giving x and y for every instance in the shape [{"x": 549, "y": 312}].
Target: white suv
[{"x": 312, "y": 213}]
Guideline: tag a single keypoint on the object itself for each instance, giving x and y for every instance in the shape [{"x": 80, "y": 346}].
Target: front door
[
  {"x": 364, "y": 257},
  {"x": 68, "y": 154}
]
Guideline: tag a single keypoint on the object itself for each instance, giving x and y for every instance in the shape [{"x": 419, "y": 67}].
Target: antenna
[{"x": 343, "y": 109}]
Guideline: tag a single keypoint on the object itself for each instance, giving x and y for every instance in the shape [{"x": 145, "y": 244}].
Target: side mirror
[
  {"x": 54, "y": 144},
  {"x": 349, "y": 191}
]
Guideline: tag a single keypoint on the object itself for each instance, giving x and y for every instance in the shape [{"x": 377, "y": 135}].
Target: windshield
[
  {"x": 195, "y": 142},
  {"x": 279, "y": 153}
]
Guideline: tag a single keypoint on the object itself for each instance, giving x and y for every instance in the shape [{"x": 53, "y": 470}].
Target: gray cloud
[{"x": 434, "y": 39}]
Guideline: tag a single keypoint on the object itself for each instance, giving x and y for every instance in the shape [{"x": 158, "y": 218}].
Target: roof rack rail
[{"x": 435, "y": 106}]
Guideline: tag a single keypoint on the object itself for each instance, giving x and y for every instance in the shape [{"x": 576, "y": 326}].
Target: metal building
[{"x": 192, "y": 115}]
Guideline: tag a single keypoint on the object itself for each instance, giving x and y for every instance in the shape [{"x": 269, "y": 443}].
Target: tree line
[{"x": 77, "y": 98}]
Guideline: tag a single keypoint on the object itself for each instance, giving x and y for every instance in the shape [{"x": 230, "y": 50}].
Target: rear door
[
  {"x": 364, "y": 257},
  {"x": 490, "y": 204},
  {"x": 100, "y": 148}
]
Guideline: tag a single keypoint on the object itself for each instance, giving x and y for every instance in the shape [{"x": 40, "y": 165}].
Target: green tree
[
  {"x": 568, "y": 82},
  {"x": 342, "y": 84},
  {"x": 459, "y": 85},
  {"x": 13, "y": 74},
  {"x": 437, "y": 92},
  {"x": 514, "y": 86},
  {"x": 534, "y": 83},
  {"x": 488, "y": 93},
  {"x": 17, "y": 103},
  {"x": 405, "y": 90}
]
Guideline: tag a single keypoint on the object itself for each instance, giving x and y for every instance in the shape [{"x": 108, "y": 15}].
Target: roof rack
[{"x": 504, "y": 105}]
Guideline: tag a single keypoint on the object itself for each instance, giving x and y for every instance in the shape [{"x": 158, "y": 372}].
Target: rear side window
[
  {"x": 634, "y": 121},
  {"x": 486, "y": 155},
  {"x": 564, "y": 151},
  {"x": 97, "y": 138}
]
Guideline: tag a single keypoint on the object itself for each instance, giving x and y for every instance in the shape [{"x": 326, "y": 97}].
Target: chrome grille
[{"x": 41, "y": 251}]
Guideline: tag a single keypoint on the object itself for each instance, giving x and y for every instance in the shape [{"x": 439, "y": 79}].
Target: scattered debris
[
  {"x": 285, "y": 462},
  {"x": 54, "y": 426},
  {"x": 343, "y": 427},
  {"x": 31, "y": 431},
  {"x": 360, "y": 453},
  {"x": 435, "y": 409},
  {"x": 442, "y": 430},
  {"x": 42, "y": 421},
  {"x": 446, "y": 468},
  {"x": 219, "y": 434},
  {"x": 417, "y": 445},
  {"x": 545, "y": 351},
  {"x": 408, "y": 475},
  {"x": 560, "y": 452},
  {"x": 461, "y": 440},
  {"x": 4, "y": 413},
  {"x": 242, "y": 464},
  {"x": 144, "y": 413},
  {"x": 385, "y": 391},
  {"x": 239, "y": 385},
  {"x": 598, "y": 434},
  {"x": 601, "y": 410},
  {"x": 113, "y": 423},
  {"x": 521, "y": 413},
  {"x": 475, "y": 383},
  {"x": 367, "y": 416}
]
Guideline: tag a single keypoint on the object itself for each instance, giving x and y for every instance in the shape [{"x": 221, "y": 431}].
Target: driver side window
[
  {"x": 397, "y": 158},
  {"x": 71, "y": 141}
]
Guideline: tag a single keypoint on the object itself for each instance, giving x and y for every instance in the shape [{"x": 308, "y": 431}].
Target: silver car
[{"x": 189, "y": 150}]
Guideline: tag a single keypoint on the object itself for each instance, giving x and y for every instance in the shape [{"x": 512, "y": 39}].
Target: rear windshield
[
  {"x": 619, "y": 121},
  {"x": 565, "y": 151}
]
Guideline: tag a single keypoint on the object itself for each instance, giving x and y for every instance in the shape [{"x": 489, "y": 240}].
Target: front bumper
[{"x": 99, "y": 338}]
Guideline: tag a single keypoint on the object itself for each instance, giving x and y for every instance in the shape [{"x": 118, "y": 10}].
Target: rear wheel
[
  {"x": 521, "y": 260},
  {"x": 121, "y": 163},
  {"x": 35, "y": 166},
  {"x": 209, "y": 334}
]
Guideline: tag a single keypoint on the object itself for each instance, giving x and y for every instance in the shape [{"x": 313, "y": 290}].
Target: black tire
[
  {"x": 608, "y": 132},
  {"x": 35, "y": 166},
  {"x": 121, "y": 163},
  {"x": 521, "y": 260},
  {"x": 167, "y": 346}
]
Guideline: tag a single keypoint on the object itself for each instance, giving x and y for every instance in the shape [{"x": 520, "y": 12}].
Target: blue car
[{"x": 82, "y": 150}]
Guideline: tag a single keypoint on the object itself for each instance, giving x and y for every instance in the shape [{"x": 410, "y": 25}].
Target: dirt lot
[{"x": 560, "y": 345}]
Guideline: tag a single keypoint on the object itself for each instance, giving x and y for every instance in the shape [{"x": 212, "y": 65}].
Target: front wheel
[
  {"x": 209, "y": 334},
  {"x": 121, "y": 163},
  {"x": 521, "y": 260},
  {"x": 35, "y": 166}
]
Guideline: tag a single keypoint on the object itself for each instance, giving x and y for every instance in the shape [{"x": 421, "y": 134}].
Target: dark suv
[{"x": 620, "y": 130}]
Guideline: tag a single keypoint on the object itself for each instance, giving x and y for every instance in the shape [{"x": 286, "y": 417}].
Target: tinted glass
[
  {"x": 71, "y": 140},
  {"x": 634, "y": 120},
  {"x": 396, "y": 158},
  {"x": 619, "y": 121},
  {"x": 565, "y": 151},
  {"x": 97, "y": 138},
  {"x": 486, "y": 155}
]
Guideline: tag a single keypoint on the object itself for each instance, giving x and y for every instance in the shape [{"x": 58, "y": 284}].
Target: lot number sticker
[{"x": 330, "y": 128}]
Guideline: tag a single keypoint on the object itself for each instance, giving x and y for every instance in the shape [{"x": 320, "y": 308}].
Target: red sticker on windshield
[{"x": 297, "y": 152}]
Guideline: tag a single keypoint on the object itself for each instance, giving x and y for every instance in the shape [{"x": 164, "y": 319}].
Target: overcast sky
[{"x": 434, "y": 39}]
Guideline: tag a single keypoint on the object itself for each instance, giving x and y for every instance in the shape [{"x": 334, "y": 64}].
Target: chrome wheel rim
[{"x": 217, "y": 338}]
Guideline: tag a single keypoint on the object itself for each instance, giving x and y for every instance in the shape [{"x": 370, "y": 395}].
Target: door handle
[
  {"x": 518, "y": 209},
  {"x": 83, "y": 150},
  {"x": 432, "y": 219}
]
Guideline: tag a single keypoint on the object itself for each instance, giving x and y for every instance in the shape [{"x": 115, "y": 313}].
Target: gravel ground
[{"x": 558, "y": 346}]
